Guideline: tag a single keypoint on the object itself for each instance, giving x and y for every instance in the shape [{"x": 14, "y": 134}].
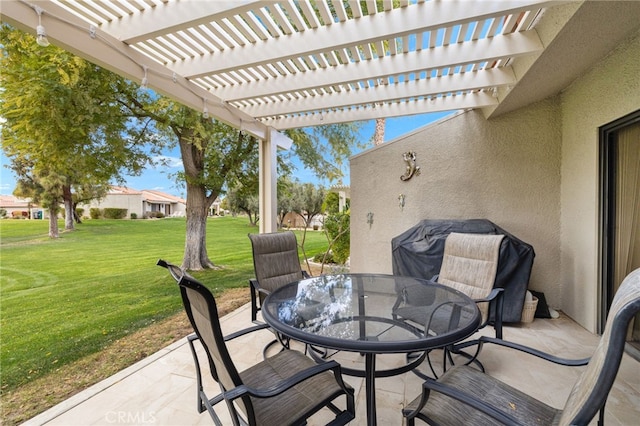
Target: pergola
[{"x": 266, "y": 66}]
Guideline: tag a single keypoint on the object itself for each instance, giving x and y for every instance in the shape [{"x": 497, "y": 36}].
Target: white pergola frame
[{"x": 267, "y": 66}]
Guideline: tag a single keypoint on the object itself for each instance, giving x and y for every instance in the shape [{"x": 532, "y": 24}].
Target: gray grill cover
[{"x": 418, "y": 252}]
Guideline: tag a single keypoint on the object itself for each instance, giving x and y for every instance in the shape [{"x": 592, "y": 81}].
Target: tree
[
  {"x": 213, "y": 154},
  {"x": 240, "y": 200},
  {"x": 64, "y": 123},
  {"x": 307, "y": 202},
  {"x": 217, "y": 157},
  {"x": 337, "y": 229},
  {"x": 378, "y": 135}
]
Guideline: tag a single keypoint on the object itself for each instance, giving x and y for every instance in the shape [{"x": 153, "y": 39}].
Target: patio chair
[
  {"x": 276, "y": 263},
  {"x": 469, "y": 264},
  {"x": 466, "y": 393},
  {"x": 287, "y": 388}
]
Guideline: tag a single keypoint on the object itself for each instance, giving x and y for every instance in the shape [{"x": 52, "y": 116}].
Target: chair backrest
[
  {"x": 590, "y": 392},
  {"x": 470, "y": 264},
  {"x": 200, "y": 306},
  {"x": 275, "y": 259}
]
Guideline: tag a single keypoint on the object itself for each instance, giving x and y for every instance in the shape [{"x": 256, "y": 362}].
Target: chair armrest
[
  {"x": 254, "y": 284},
  {"x": 535, "y": 352},
  {"x": 193, "y": 337},
  {"x": 496, "y": 296},
  {"x": 463, "y": 397},
  {"x": 244, "y": 331},
  {"x": 495, "y": 292},
  {"x": 305, "y": 274},
  {"x": 282, "y": 386},
  {"x": 256, "y": 305}
]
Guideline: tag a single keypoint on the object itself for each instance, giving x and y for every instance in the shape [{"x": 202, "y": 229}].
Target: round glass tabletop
[{"x": 373, "y": 313}]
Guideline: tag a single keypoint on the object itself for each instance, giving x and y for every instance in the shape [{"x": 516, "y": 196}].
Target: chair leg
[
  {"x": 254, "y": 303},
  {"x": 200, "y": 404},
  {"x": 601, "y": 415},
  {"x": 203, "y": 402}
]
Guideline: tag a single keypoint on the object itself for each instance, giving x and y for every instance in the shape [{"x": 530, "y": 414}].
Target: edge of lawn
[{"x": 45, "y": 392}]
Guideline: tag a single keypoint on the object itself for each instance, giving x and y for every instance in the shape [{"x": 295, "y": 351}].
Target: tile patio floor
[{"x": 161, "y": 389}]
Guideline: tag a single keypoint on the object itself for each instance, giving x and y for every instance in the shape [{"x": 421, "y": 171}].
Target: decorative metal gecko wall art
[{"x": 411, "y": 169}]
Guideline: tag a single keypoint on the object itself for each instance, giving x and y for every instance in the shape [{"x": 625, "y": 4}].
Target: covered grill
[{"x": 418, "y": 252}]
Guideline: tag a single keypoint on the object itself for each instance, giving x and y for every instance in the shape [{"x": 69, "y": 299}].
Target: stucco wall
[
  {"x": 131, "y": 202},
  {"x": 506, "y": 170},
  {"x": 534, "y": 172},
  {"x": 609, "y": 91}
]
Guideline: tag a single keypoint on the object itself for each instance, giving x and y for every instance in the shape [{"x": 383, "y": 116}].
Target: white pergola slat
[{"x": 266, "y": 66}]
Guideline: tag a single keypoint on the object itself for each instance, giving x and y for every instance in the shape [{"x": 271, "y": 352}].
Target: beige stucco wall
[
  {"x": 534, "y": 172},
  {"x": 609, "y": 91},
  {"x": 131, "y": 202},
  {"x": 506, "y": 170}
]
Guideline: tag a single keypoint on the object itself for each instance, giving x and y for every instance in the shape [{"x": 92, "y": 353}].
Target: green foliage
[
  {"x": 154, "y": 215},
  {"x": 79, "y": 211},
  {"x": 324, "y": 149},
  {"x": 56, "y": 308},
  {"x": 95, "y": 213},
  {"x": 307, "y": 200},
  {"x": 337, "y": 227},
  {"x": 67, "y": 124},
  {"x": 331, "y": 204},
  {"x": 114, "y": 213},
  {"x": 133, "y": 216},
  {"x": 240, "y": 199},
  {"x": 3, "y": 213}
]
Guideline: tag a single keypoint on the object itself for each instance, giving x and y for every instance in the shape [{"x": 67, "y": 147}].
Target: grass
[{"x": 68, "y": 299}]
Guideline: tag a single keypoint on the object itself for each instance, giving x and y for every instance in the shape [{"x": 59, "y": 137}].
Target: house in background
[
  {"x": 156, "y": 201},
  {"x": 20, "y": 207},
  {"x": 143, "y": 203}
]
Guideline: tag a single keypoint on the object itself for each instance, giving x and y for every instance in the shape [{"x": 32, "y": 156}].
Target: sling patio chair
[
  {"x": 276, "y": 263},
  {"x": 469, "y": 265},
  {"x": 464, "y": 394},
  {"x": 285, "y": 389}
]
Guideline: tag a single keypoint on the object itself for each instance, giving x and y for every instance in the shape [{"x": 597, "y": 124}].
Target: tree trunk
[
  {"x": 77, "y": 218},
  {"x": 68, "y": 208},
  {"x": 378, "y": 136},
  {"x": 196, "y": 257},
  {"x": 53, "y": 222},
  {"x": 195, "y": 247}
]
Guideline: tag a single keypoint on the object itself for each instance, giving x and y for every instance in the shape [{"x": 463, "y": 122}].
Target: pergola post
[{"x": 268, "y": 175}]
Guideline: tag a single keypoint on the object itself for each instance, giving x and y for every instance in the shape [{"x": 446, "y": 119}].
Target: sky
[{"x": 158, "y": 178}]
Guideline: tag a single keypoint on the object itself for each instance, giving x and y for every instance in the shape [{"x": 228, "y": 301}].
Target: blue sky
[{"x": 158, "y": 178}]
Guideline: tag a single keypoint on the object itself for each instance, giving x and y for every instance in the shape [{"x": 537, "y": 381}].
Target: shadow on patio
[{"x": 161, "y": 389}]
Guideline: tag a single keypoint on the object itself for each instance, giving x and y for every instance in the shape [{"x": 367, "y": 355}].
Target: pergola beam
[
  {"x": 485, "y": 50},
  {"x": 418, "y": 106},
  {"x": 173, "y": 17},
  {"x": 456, "y": 83},
  {"x": 418, "y": 18}
]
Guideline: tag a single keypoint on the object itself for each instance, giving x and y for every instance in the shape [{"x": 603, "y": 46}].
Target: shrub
[
  {"x": 320, "y": 257},
  {"x": 113, "y": 213},
  {"x": 133, "y": 216},
  {"x": 79, "y": 211},
  {"x": 3, "y": 212},
  {"x": 337, "y": 226},
  {"x": 95, "y": 213},
  {"x": 150, "y": 215}
]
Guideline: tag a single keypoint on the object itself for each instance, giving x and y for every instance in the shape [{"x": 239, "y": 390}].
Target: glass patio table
[{"x": 372, "y": 314}]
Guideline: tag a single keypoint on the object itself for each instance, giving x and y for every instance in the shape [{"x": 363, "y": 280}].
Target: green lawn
[{"x": 63, "y": 299}]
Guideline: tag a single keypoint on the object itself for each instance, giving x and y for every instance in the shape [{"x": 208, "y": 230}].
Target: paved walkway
[{"x": 161, "y": 389}]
